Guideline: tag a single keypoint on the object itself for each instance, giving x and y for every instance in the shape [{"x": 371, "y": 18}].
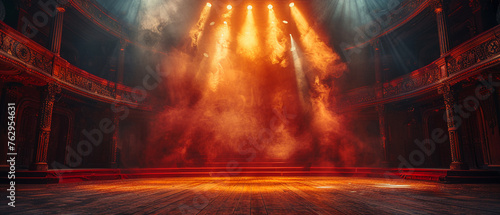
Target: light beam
[
  {"x": 222, "y": 34},
  {"x": 248, "y": 44},
  {"x": 299, "y": 72},
  {"x": 197, "y": 31},
  {"x": 317, "y": 52},
  {"x": 276, "y": 40}
]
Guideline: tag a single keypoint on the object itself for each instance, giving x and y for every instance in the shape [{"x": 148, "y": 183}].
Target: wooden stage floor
[{"x": 255, "y": 195}]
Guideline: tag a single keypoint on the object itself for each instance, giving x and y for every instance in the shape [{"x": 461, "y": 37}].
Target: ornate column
[
  {"x": 476, "y": 25},
  {"x": 121, "y": 62},
  {"x": 378, "y": 62},
  {"x": 383, "y": 135},
  {"x": 455, "y": 139},
  {"x": 380, "y": 108},
  {"x": 444, "y": 46},
  {"x": 113, "y": 162},
  {"x": 55, "y": 45},
  {"x": 116, "y": 117},
  {"x": 448, "y": 92},
  {"x": 45, "y": 121}
]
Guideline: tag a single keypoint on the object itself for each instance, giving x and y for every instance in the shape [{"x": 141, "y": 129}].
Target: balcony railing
[
  {"x": 459, "y": 64},
  {"x": 38, "y": 63}
]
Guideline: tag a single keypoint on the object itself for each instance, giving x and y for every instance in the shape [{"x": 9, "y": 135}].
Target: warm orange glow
[
  {"x": 325, "y": 63},
  {"x": 229, "y": 7},
  {"x": 317, "y": 52},
  {"x": 276, "y": 40},
  {"x": 197, "y": 31},
  {"x": 222, "y": 34},
  {"x": 230, "y": 97},
  {"x": 248, "y": 44}
]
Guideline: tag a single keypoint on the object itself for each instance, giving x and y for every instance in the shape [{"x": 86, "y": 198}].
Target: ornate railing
[
  {"x": 476, "y": 51},
  {"x": 24, "y": 51},
  {"x": 357, "y": 96},
  {"x": 418, "y": 79},
  {"x": 460, "y": 63},
  {"x": 85, "y": 81},
  {"x": 38, "y": 63}
]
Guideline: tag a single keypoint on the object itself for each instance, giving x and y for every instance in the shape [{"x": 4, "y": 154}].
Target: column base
[
  {"x": 41, "y": 166},
  {"x": 385, "y": 164},
  {"x": 113, "y": 165},
  {"x": 458, "y": 166}
]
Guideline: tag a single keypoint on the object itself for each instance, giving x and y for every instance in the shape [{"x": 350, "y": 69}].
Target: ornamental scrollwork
[
  {"x": 75, "y": 77},
  {"x": 415, "y": 80},
  {"x": 25, "y": 53},
  {"x": 479, "y": 53}
]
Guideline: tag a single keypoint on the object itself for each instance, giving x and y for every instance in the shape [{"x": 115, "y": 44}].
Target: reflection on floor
[{"x": 257, "y": 195}]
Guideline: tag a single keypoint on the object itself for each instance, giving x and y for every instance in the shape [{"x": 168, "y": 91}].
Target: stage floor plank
[{"x": 255, "y": 195}]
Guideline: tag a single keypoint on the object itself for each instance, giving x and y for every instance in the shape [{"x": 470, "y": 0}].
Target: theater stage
[{"x": 257, "y": 195}]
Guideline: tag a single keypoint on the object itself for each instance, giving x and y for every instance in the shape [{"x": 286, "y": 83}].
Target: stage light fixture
[
  {"x": 291, "y": 4},
  {"x": 270, "y": 6},
  {"x": 249, "y": 7},
  {"x": 209, "y": 5},
  {"x": 229, "y": 7}
]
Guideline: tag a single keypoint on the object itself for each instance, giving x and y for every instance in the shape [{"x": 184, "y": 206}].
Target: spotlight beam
[
  {"x": 317, "y": 52},
  {"x": 197, "y": 31},
  {"x": 222, "y": 34},
  {"x": 276, "y": 40},
  {"x": 248, "y": 44},
  {"x": 300, "y": 76}
]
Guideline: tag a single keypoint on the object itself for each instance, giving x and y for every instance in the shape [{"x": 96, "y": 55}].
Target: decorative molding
[
  {"x": 413, "y": 81},
  {"x": 357, "y": 96},
  {"x": 25, "y": 52},
  {"x": 461, "y": 63},
  {"x": 83, "y": 80},
  {"x": 39, "y": 66},
  {"x": 479, "y": 53}
]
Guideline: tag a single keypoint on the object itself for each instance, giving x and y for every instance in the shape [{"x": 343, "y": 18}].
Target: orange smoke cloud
[
  {"x": 276, "y": 40},
  {"x": 226, "y": 103},
  {"x": 248, "y": 44},
  {"x": 318, "y": 53}
]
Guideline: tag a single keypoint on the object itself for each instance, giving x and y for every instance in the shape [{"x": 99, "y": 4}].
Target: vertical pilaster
[
  {"x": 114, "y": 142},
  {"x": 378, "y": 61},
  {"x": 57, "y": 28},
  {"x": 379, "y": 88},
  {"x": 45, "y": 122},
  {"x": 455, "y": 139},
  {"x": 383, "y": 133},
  {"x": 116, "y": 118},
  {"x": 121, "y": 62},
  {"x": 448, "y": 92},
  {"x": 444, "y": 44}
]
